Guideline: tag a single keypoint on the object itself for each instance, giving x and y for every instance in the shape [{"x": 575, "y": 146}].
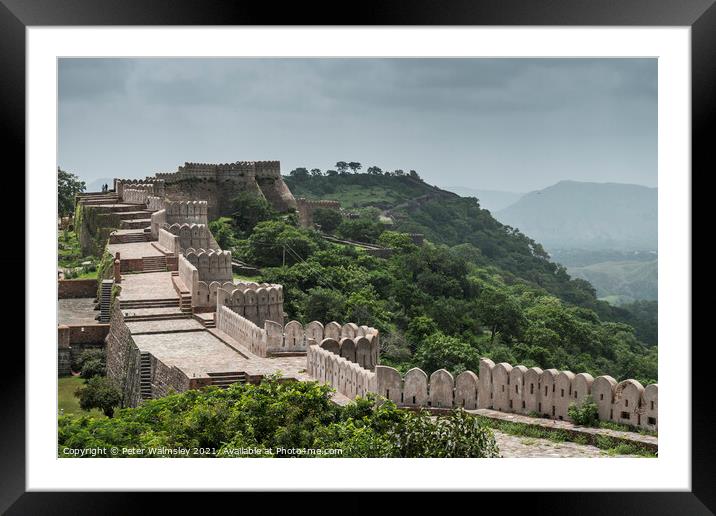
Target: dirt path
[{"x": 515, "y": 446}]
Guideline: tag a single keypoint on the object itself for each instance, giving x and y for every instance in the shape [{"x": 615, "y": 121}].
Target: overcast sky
[{"x": 499, "y": 124}]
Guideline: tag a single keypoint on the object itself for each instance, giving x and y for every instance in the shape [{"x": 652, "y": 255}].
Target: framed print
[{"x": 435, "y": 248}]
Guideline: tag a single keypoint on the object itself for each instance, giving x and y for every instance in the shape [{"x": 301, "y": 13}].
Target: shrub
[{"x": 585, "y": 414}]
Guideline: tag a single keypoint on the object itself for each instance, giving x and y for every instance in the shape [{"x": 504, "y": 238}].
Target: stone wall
[
  {"x": 137, "y": 194},
  {"x": 359, "y": 344},
  {"x": 76, "y": 288},
  {"x": 166, "y": 379},
  {"x": 212, "y": 265},
  {"x": 168, "y": 241},
  {"x": 159, "y": 219},
  {"x": 522, "y": 390},
  {"x": 155, "y": 203},
  {"x": 305, "y": 209},
  {"x": 258, "y": 302},
  {"x": 345, "y": 376},
  {"x": 191, "y": 236},
  {"x": 123, "y": 360},
  {"x": 189, "y": 275},
  {"x": 242, "y": 330},
  {"x": 88, "y": 334},
  {"x": 186, "y": 212}
]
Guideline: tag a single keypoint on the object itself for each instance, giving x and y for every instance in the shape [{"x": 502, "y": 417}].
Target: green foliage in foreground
[
  {"x": 99, "y": 392},
  {"x": 278, "y": 415},
  {"x": 585, "y": 413}
]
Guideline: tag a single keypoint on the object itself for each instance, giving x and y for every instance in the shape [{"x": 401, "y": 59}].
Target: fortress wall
[
  {"x": 358, "y": 344},
  {"x": 191, "y": 236},
  {"x": 517, "y": 390},
  {"x": 159, "y": 219},
  {"x": 169, "y": 241},
  {"x": 306, "y": 208},
  {"x": 344, "y": 376},
  {"x": 258, "y": 302},
  {"x": 211, "y": 265},
  {"x": 155, "y": 186},
  {"x": 242, "y": 330},
  {"x": 187, "y": 212},
  {"x": 165, "y": 378},
  {"x": 136, "y": 195},
  {"x": 189, "y": 275},
  {"x": 155, "y": 203},
  {"x": 123, "y": 359}
]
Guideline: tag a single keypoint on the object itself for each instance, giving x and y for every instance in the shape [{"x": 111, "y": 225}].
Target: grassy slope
[
  {"x": 359, "y": 191},
  {"x": 621, "y": 281},
  {"x": 66, "y": 399}
]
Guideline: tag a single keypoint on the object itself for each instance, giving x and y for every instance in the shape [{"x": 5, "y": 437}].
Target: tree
[
  {"x": 224, "y": 233},
  {"x": 325, "y": 304},
  {"x": 500, "y": 312},
  {"x": 438, "y": 351},
  {"x": 250, "y": 209},
  {"x": 331, "y": 173},
  {"x": 92, "y": 362},
  {"x": 299, "y": 173},
  {"x": 327, "y": 219},
  {"x": 272, "y": 241},
  {"x": 316, "y": 172},
  {"x": 415, "y": 175},
  {"x": 375, "y": 171},
  {"x": 399, "y": 172},
  {"x": 342, "y": 167},
  {"x": 101, "y": 393},
  {"x": 355, "y": 166},
  {"x": 68, "y": 185}
]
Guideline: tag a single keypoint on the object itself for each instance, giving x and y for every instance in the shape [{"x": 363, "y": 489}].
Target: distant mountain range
[
  {"x": 492, "y": 200},
  {"x": 594, "y": 216}
]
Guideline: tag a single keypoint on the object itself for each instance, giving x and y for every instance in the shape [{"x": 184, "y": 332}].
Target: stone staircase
[
  {"x": 130, "y": 316},
  {"x": 207, "y": 320},
  {"x": 154, "y": 264},
  {"x": 223, "y": 380},
  {"x": 134, "y": 223},
  {"x": 128, "y": 238},
  {"x": 105, "y": 297},
  {"x": 145, "y": 376},
  {"x": 149, "y": 303}
]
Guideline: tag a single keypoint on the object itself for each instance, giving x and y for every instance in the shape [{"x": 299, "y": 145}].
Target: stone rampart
[
  {"x": 345, "y": 376},
  {"x": 155, "y": 203},
  {"x": 169, "y": 241},
  {"x": 306, "y": 208},
  {"x": 258, "y": 302},
  {"x": 521, "y": 390},
  {"x": 212, "y": 265},
  {"x": 186, "y": 212},
  {"x": 159, "y": 219},
  {"x": 359, "y": 344},
  {"x": 191, "y": 236},
  {"x": 242, "y": 330},
  {"x": 138, "y": 194}
]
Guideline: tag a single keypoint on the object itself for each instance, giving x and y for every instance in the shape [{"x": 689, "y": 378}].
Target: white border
[{"x": 670, "y": 471}]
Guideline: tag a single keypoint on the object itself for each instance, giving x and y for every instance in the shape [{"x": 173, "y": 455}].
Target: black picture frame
[{"x": 17, "y": 15}]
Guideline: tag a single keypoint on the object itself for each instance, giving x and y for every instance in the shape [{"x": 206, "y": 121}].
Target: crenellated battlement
[
  {"x": 258, "y": 302},
  {"x": 522, "y": 390}
]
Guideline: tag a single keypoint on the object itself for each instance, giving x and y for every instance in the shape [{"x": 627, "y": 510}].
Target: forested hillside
[{"x": 475, "y": 288}]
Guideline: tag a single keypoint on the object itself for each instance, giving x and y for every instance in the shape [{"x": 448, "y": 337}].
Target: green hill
[
  {"x": 580, "y": 215},
  {"x": 621, "y": 282}
]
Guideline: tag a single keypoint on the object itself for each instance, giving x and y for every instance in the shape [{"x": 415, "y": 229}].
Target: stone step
[{"x": 135, "y": 223}]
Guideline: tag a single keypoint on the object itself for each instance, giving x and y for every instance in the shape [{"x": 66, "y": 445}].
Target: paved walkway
[
  {"x": 146, "y": 286},
  {"x": 134, "y": 250},
  {"x": 512, "y": 446},
  {"x": 76, "y": 312},
  {"x": 649, "y": 441}
]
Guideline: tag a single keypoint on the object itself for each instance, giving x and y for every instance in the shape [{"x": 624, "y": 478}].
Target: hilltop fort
[{"x": 173, "y": 318}]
